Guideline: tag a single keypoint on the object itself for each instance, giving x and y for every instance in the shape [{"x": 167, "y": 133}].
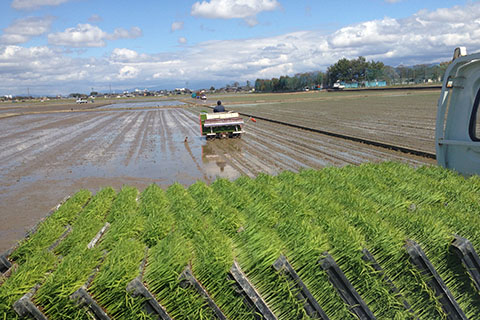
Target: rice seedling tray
[
  {"x": 187, "y": 277},
  {"x": 98, "y": 236},
  {"x": 469, "y": 257},
  {"x": 368, "y": 257},
  {"x": 25, "y": 307},
  {"x": 83, "y": 299},
  {"x": 312, "y": 308},
  {"x": 214, "y": 229},
  {"x": 137, "y": 288},
  {"x": 250, "y": 292},
  {"x": 5, "y": 264},
  {"x": 448, "y": 302},
  {"x": 345, "y": 288}
]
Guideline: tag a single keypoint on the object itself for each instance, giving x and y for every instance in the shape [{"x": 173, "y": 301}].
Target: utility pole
[{"x": 28, "y": 92}]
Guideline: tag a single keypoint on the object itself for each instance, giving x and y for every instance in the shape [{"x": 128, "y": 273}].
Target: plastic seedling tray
[
  {"x": 187, "y": 277},
  {"x": 444, "y": 296},
  {"x": 250, "y": 293},
  {"x": 25, "y": 307},
  {"x": 5, "y": 264},
  {"x": 368, "y": 257},
  {"x": 312, "y": 308},
  {"x": 137, "y": 288},
  {"x": 469, "y": 257},
  {"x": 344, "y": 288},
  {"x": 98, "y": 236},
  {"x": 84, "y": 299}
]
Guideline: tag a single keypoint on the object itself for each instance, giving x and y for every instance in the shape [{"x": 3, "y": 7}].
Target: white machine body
[{"x": 457, "y": 135}]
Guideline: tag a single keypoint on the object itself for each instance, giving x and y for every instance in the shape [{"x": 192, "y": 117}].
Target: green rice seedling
[
  {"x": 74, "y": 269},
  {"x": 89, "y": 222},
  {"x": 258, "y": 247},
  {"x": 344, "y": 242},
  {"x": 52, "y": 228},
  {"x": 209, "y": 202},
  {"x": 125, "y": 204},
  {"x": 32, "y": 271},
  {"x": 459, "y": 208},
  {"x": 126, "y": 222},
  {"x": 383, "y": 240},
  {"x": 209, "y": 246},
  {"x": 54, "y": 295},
  {"x": 428, "y": 227},
  {"x": 154, "y": 206},
  {"x": 305, "y": 244},
  {"x": 420, "y": 224},
  {"x": 214, "y": 250},
  {"x": 109, "y": 285},
  {"x": 166, "y": 261}
]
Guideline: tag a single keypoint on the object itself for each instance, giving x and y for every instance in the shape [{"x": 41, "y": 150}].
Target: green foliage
[
  {"x": 355, "y": 70},
  {"x": 253, "y": 221},
  {"x": 53, "y": 227}
]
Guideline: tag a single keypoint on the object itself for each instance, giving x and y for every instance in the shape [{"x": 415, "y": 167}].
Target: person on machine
[{"x": 219, "y": 107}]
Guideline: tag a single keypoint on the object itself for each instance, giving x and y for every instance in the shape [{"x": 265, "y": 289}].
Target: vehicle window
[{"x": 475, "y": 120}]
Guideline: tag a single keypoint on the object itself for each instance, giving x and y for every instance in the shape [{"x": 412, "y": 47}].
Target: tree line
[{"x": 354, "y": 70}]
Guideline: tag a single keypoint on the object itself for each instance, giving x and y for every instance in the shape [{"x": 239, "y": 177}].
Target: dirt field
[
  {"x": 403, "y": 118},
  {"x": 45, "y": 157}
]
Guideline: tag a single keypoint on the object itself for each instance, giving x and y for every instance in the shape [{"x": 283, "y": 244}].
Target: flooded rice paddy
[{"x": 46, "y": 157}]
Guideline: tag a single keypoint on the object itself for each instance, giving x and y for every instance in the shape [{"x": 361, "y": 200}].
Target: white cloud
[
  {"x": 182, "y": 40},
  {"x": 34, "y": 4},
  {"x": 124, "y": 54},
  {"x": 86, "y": 35},
  {"x": 229, "y": 9},
  {"x": 128, "y": 72},
  {"x": 21, "y": 30},
  {"x": 177, "y": 25},
  {"x": 427, "y": 36},
  {"x": 392, "y": 1}
]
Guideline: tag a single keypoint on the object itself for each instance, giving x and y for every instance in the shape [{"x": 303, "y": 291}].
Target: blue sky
[{"x": 61, "y": 46}]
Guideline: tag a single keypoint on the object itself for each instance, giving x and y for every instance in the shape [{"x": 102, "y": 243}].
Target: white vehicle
[
  {"x": 457, "y": 136},
  {"x": 338, "y": 86},
  {"x": 80, "y": 100}
]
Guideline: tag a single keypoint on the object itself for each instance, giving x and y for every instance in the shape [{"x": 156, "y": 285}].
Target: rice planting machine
[{"x": 221, "y": 125}]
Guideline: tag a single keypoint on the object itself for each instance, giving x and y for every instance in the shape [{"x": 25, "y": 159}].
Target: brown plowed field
[
  {"x": 401, "y": 118},
  {"x": 45, "y": 157}
]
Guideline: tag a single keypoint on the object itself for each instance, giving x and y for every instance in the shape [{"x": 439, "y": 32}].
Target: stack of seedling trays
[{"x": 376, "y": 241}]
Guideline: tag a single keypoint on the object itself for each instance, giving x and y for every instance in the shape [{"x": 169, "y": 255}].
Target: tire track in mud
[
  {"x": 294, "y": 151},
  {"x": 340, "y": 152},
  {"x": 295, "y": 148},
  {"x": 29, "y": 144},
  {"x": 91, "y": 148},
  {"x": 125, "y": 126},
  {"x": 162, "y": 125},
  {"x": 37, "y": 150},
  {"x": 169, "y": 123},
  {"x": 145, "y": 146},
  {"x": 381, "y": 122},
  {"x": 141, "y": 131},
  {"x": 61, "y": 146},
  {"x": 26, "y": 125}
]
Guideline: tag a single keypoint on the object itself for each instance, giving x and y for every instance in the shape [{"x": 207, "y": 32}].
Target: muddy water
[{"x": 45, "y": 157}]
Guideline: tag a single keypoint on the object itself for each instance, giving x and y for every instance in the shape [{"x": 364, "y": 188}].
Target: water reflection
[{"x": 215, "y": 155}]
